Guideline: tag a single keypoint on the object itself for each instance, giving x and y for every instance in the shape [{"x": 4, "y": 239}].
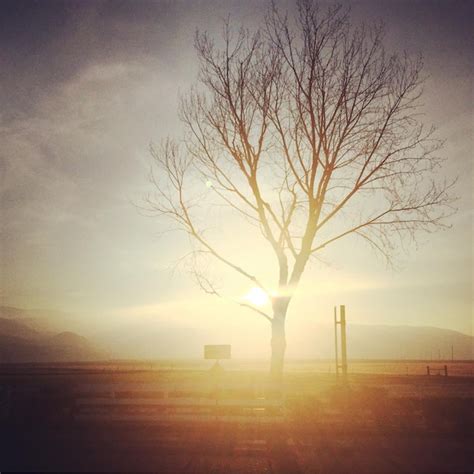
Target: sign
[{"x": 217, "y": 352}]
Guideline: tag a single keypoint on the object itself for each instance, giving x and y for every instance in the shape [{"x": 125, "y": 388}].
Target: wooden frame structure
[{"x": 342, "y": 323}]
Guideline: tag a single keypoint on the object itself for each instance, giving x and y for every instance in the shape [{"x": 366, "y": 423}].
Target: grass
[{"x": 375, "y": 423}]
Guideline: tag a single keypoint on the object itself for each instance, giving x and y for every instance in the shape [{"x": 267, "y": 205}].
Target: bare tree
[{"x": 317, "y": 109}]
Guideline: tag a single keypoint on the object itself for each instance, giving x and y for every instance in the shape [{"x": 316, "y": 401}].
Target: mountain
[
  {"x": 43, "y": 320},
  {"x": 22, "y": 340},
  {"x": 408, "y": 342},
  {"x": 385, "y": 342},
  {"x": 12, "y": 327},
  {"x": 154, "y": 339},
  {"x": 149, "y": 339}
]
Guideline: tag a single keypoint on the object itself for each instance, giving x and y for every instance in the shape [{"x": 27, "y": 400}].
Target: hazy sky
[{"x": 85, "y": 87}]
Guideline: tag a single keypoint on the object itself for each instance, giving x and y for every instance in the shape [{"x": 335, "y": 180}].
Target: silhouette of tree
[{"x": 317, "y": 108}]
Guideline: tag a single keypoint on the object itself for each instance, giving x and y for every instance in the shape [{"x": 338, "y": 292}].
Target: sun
[{"x": 257, "y": 296}]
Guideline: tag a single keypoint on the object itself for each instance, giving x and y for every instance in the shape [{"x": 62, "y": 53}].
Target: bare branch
[{"x": 310, "y": 130}]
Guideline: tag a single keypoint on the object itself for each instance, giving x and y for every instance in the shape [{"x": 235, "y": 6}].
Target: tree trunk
[{"x": 278, "y": 348}]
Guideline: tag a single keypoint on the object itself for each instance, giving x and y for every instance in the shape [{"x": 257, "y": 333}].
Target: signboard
[{"x": 217, "y": 352}]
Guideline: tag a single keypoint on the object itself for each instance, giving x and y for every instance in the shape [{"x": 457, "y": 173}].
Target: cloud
[{"x": 87, "y": 85}]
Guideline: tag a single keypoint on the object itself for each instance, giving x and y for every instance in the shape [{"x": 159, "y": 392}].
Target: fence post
[{"x": 427, "y": 370}]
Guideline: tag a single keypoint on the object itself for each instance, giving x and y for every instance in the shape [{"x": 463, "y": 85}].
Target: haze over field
[
  {"x": 87, "y": 85},
  {"x": 36, "y": 336}
]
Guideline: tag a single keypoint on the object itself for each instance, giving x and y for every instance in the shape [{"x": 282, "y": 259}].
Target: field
[{"x": 379, "y": 420}]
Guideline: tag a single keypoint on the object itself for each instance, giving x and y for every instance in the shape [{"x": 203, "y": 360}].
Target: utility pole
[
  {"x": 342, "y": 324},
  {"x": 343, "y": 340},
  {"x": 335, "y": 342}
]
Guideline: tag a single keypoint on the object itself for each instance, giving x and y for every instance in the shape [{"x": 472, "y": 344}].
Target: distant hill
[
  {"x": 43, "y": 320},
  {"x": 386, "y": 342},
  {"x": 150, "y": 339},
  {"x": 21, "y": 340},
  {"x": 17, "y": 328},
  {"x": 27, "y": 335},
  {"x": 408, "y": 342}
]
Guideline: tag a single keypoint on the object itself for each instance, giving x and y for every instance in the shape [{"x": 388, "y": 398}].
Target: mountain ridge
[{"x": 21, "y": 340}]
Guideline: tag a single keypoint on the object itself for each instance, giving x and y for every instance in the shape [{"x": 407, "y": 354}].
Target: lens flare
[{"x": 257, "y": 296}]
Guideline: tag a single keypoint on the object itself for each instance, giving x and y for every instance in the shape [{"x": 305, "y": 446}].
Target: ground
[{"x": 372, "y": 423}]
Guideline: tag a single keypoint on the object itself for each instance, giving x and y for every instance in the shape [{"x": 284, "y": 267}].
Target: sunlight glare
[{"x": 257, "y": 296}]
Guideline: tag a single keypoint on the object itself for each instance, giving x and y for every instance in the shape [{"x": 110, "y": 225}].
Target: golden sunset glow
[
  {"x": 257, "y": 296},
  {"x": 236, "y": 236}
]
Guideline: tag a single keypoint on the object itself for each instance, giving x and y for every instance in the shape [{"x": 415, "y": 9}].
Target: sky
[{"x": 86, "y": 86}]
